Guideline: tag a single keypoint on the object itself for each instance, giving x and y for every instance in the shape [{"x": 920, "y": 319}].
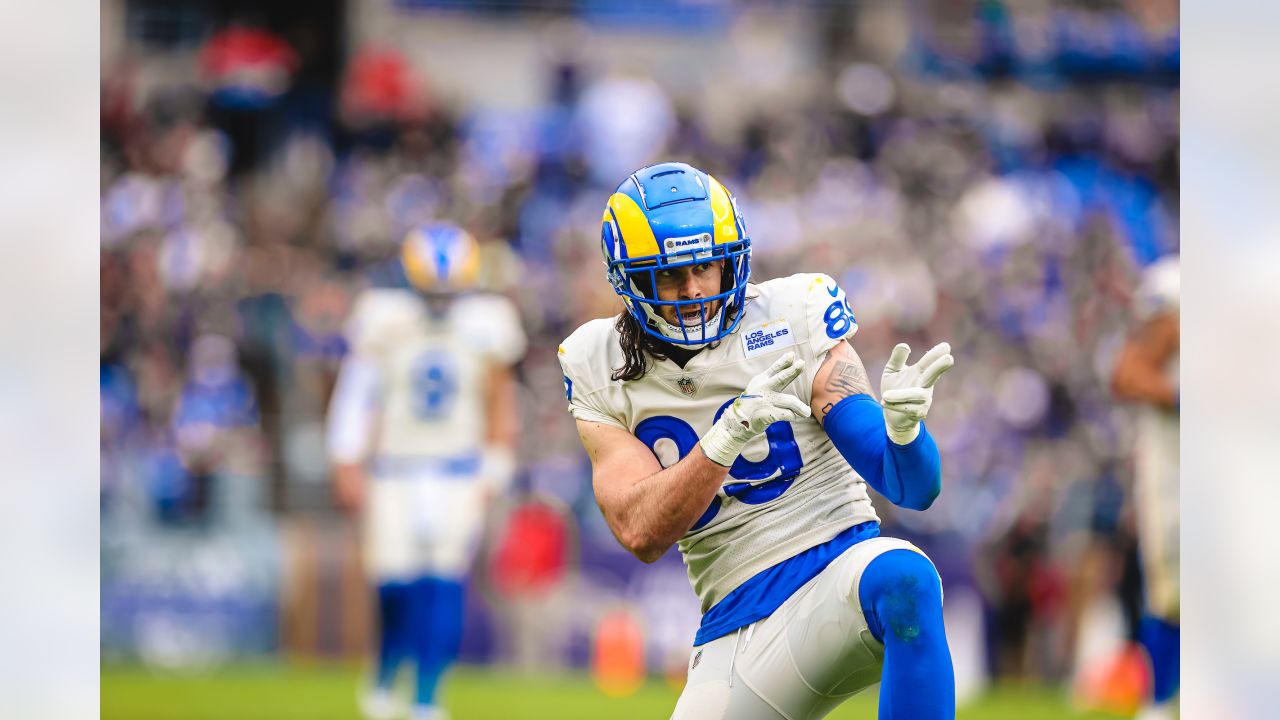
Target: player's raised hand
[
  {"x": 906, "y": 391},
  {"x": 761, "y": 404}
]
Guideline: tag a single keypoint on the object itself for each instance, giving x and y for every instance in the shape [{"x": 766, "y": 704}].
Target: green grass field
[{"x": 292, "y": 692}]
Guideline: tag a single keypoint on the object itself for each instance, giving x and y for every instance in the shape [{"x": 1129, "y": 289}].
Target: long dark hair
[{"x": 638, "y": 348}]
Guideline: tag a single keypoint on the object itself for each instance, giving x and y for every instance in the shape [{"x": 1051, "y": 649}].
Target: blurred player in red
[
  {"x": 1147, "y": 373},
  {"x": 422, "y": 430}
]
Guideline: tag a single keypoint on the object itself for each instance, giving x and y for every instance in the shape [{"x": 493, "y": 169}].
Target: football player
[
  {"x": 1146, "y": 372},
  {"x": 736, "y": 421},
  {"x": 421, "y": 435}
]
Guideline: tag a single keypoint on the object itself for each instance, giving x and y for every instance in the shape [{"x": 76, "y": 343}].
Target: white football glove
[
  {"x": 760, "y": 405},
  {"x": 906, "y": 391}
]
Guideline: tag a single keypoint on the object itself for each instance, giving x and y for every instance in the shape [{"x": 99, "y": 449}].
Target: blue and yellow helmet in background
[
  {"x": 440, "y": 258},
  {"x": 671, "y": 215}
]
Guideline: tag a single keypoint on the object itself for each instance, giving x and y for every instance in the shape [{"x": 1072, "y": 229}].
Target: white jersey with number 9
[
  {"x": 420, "y": 403},
  {"x": 432, "y": 368}
]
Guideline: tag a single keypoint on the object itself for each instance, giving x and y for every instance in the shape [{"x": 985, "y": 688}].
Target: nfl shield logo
[{"x": 686, "y": 386}]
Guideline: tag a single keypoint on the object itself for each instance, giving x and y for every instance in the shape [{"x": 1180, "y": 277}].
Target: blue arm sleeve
[{"x": 910, "y": 475}]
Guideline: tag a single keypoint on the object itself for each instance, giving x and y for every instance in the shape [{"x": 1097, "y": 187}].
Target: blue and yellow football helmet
[
  {"x": 440, "y": 258},
  {"x": 667, "y": 216}
]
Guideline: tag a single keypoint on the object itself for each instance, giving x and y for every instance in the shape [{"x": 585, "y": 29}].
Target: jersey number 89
[{"x": 783, "y": 460}]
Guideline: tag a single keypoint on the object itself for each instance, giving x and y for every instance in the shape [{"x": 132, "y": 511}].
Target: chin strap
[{"x": 675, "y": 332}]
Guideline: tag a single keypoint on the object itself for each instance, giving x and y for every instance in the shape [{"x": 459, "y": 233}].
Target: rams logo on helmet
[
  {"x": 440, "y": 258},
  {"x": 667, "y": 216}
]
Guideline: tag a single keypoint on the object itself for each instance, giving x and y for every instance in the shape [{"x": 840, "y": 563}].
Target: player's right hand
[{"x": 761, "y": 404}]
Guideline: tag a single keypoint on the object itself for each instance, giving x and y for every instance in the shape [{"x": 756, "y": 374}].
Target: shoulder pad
[
  {"x": 589, "y": 355},
  {"x": 376, "y": 316},
  {"x": 1159, "y": 289},
  {"x": 814, "y": 302},
  {"x": 588, "y": 358},
  {"x": 492, "y": 324}
]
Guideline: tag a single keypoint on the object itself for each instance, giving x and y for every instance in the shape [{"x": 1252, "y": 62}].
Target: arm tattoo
[
  {"x": 848, "y": 378},
  {"x": 822, "y": 414}
]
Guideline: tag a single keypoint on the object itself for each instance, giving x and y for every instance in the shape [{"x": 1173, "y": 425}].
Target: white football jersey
[
  {"x": 1156, "y": 456},
  {"x": 431, "y": 369},
  {"x": 790, "y": 489}
]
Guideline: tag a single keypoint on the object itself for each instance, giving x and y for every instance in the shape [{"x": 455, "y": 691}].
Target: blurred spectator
[{"x": 627, "y": 121}]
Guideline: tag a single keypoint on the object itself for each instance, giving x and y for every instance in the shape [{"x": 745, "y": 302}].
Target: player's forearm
[
  {"x": 498, "y": 459},
  {"x": 1138, "y": 383},
  {"x": 651, "y": 514},
  {"x": 502, "y": 408},
  {"x": 909, "y": 475},
  {"x": 1139, "y": 374}
]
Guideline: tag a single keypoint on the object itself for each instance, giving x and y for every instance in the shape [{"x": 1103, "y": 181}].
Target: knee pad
[{"x": 901, "y": 596}]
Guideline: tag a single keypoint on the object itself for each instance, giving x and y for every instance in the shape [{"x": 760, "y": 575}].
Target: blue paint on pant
[{"x": 901, "y": 596}]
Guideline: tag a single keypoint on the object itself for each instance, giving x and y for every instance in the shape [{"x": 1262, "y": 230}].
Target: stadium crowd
[{"x": 998, "y": 185}]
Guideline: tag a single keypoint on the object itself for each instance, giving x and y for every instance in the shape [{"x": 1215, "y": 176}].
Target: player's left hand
[{"x": 906, "y": 391}]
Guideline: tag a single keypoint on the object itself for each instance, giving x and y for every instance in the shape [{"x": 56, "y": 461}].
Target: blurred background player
[
  {"x": 421, "y": 435},
  {"x": 1146, "y": 372}
]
